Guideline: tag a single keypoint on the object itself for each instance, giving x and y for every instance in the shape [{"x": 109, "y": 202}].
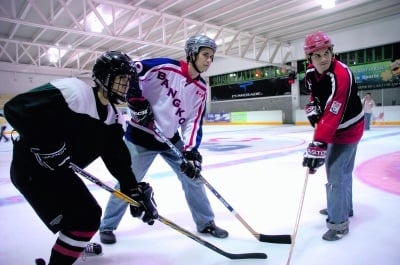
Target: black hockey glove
[
  {"x": 115, "y": 130},
  {"x": 144, "y": 195},
  {"x": 314, "y": 157},
  {"x": 141, "y": 111},
  {"x": 52, "y": 158},
  {"x": 192, "y": 165},
  {"x": 313, "y": 112}
]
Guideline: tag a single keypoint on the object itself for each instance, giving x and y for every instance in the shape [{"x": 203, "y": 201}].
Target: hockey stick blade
[
  {"x": 211, "y": 246},
  {"x": 278, "y": 239},
  {"x": 164, "y": 220}
]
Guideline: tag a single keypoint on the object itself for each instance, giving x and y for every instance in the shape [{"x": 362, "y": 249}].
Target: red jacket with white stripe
[{"x": 342, "y": 120}]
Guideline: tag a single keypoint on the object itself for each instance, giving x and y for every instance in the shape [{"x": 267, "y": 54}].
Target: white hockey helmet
[{"x": 194, "y": 43}]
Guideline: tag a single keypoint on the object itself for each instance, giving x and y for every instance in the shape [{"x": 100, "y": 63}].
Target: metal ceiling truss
[
  {"x": 137, "y": 31},
  {"x": 256, "y": 30}
]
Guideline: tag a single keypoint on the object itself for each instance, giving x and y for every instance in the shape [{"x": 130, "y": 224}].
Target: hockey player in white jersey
[{"x": 172, "y": 96}]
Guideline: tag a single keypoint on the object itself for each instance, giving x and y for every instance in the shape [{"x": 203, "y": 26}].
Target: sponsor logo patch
[{"x": 335, "y": 107}]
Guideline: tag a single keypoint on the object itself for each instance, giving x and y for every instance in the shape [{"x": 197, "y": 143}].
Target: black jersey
[{"x": 68, "y": 110}]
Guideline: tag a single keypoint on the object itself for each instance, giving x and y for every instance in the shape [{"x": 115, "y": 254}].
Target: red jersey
[{"x": 342, "y": 120}]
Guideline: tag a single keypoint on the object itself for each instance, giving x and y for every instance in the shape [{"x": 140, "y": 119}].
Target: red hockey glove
[
  {"x": 141, "y": 111},
  {"x": 314, "y": 157},
  {"x": 313, "y": 112}
]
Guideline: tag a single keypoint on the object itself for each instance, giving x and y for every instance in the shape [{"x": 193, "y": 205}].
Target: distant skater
[{"x": 3, "y": 124}]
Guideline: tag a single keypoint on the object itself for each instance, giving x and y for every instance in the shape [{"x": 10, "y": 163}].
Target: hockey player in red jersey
[
  {"x": 335, "y": 111},
  {"x": 67, "y": 120},
  {"x": 172, "y": 95}
]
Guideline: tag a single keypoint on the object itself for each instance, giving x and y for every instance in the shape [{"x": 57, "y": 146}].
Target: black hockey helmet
[{"x": 107, "y": 67}]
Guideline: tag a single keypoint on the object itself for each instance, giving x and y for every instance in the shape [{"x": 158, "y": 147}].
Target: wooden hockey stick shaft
[
  {"x": 279, "y": 239},
  {"x": 296, "y": 226},
  {"x": 164, "y": 220}
]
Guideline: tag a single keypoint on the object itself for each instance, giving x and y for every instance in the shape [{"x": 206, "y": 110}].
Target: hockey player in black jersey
[{"x": 66, "y": 121}]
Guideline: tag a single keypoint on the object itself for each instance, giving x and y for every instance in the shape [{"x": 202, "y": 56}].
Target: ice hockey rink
[{"x": 257, "y": 170}]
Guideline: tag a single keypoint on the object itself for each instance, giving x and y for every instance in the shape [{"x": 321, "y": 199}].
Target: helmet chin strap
[
  {"x": 115, "y": 111},
  {"x": 111, "y": 101},
  {"x": 193, "y": 62},
  {"x": 106, "y": 94},
  {"x": 103, "y": 97}
]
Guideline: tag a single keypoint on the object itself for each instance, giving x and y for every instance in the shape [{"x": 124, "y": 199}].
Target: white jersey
[
  {"x": 80, "y": 98},
  {"x": 177, "y": 101}
]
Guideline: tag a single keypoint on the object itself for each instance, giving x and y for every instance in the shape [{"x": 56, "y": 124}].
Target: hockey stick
[
  {"x": 296, "y": 226},
  {"x": 165, "y": 221},
  {"x": 279, "y": 239}
]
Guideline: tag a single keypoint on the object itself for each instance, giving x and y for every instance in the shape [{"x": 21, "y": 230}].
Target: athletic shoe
[
  {"x": 93, "y": 249},
  {"x": 333, "y": 235},
  {"x": 107, "y": 237},
  {"x": 214, "y": 230},
  {"x": 325, "y": 212}
]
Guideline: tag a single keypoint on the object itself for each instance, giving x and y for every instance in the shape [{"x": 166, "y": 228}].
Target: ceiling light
[
  {"x": 93, "y": 22},
  {"x": 54, "y": 54},
  {"x": 327, "y": 3}
]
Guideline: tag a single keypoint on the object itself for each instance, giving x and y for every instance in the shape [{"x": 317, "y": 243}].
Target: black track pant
[{"x": 61, "y": 200}]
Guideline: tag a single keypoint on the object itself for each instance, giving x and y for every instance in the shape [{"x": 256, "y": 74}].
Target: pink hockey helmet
[{"x": 316, "y": 41}]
